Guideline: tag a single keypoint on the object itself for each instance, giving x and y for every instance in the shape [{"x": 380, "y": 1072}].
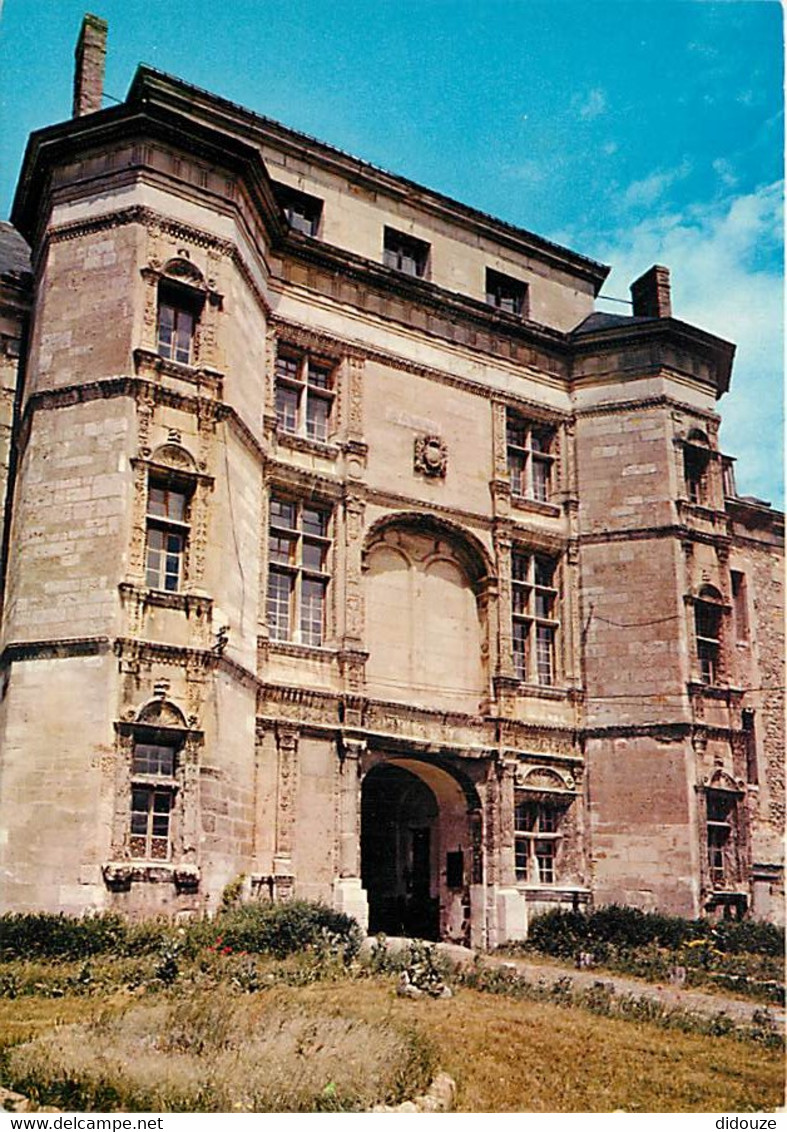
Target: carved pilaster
[
  {"x": 198, "y": 540},
  {"x": 189, "y": 802},
  {"x": 286, "y": 793},
  {"x": 499, "y": 450},
  {"x": 150, "y": 278},
  {"x": 351, "y": 751},
  {"x": 492, "y": 828},
  {"x": 269, "y": 392},
  {"x": 506, "y": 771},
  {"x": 505, "y": 662},
  {"x": 354, "y": 510},
  {"x": 354, "y": 388}
]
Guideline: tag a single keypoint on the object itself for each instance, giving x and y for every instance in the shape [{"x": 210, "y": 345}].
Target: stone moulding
[{"x": 120, "y": 875}]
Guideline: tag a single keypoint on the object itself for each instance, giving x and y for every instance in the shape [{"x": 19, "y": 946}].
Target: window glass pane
[
  {"x": 544, "y": 654},
  {"x": 312, "y": 603},
  {"x": 157, "y": 501},
  {"x": 519, "y": 567},
  {"x": 153, "y": 758},
  {"x": 520, "y": 859},
  {"x": 279, "y": 600},
  {"x": 282, "y": 549},
  {"x": 540, "y": 480},
  {"x": 283, "y": 514},
  {"x": 319, "y": 375},
  {"x": 317, "y": 412},
  {"x": 287, "y": 367},
  {"x": 517, "y": 463},
  {"x": 184, "y": 332},
  {"x": 544, "y": 604},
  {"x": 545, "y": 856},
  {"x": 314, "y": 555},
  {"x": 287, "y": 408},
  {"x": 545, "y": 572},
  {"x": 315, "y": 521}
]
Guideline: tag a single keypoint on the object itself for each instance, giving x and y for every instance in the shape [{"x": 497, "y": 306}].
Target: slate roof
[{"x": 14, "y": 252}]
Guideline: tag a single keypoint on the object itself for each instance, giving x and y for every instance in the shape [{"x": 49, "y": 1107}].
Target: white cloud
[
  {"x": 594, "y": 104},
  {"x": 726, "y": 278},
  {"x": 725, "y": 171},
  {"x": 645, "y": 193}
]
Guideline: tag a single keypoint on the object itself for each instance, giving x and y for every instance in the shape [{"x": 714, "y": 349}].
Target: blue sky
[{"x": 635, "y": 131}]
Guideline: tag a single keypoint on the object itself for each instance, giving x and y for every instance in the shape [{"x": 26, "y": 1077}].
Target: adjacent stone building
[{"x": 348, "y": 549}]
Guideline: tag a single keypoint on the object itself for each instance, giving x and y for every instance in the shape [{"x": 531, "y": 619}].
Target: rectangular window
[
  {"x": 530, "y": 449},
  {"x": 302, "y": 210},
  {"x": 707, "y": 623},
  {"x": 298, "y": 575},
  {"x": 695, "y": 470},
  {"x": 167, "y": 537},
  {"x": 178, "y": 317},
  {"x": 304, "y": 394},
  {"x": 151, "y": 808},
  {"x": 720, "y": 835},
  {"x": 405, "y": 253},
  {"x": 536, "y": 841},
  {"x": 505, "y": 293},
  {"x": 534, "y": 622}
]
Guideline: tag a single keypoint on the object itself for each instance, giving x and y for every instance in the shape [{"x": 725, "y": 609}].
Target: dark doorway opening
[{"x": 399, "y": 817}]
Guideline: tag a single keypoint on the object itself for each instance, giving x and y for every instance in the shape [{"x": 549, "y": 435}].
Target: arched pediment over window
[
  {"x": 174, "y": 456},
  {"x": 161, "y": 713},
  {"x": 425, "y": 630},
  {"x": 184, "y": 271}
]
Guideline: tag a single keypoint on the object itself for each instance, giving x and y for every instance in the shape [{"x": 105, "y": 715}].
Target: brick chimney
[
  {"x": 650, "y": 294},
  {"x": 89, "y": 58}
]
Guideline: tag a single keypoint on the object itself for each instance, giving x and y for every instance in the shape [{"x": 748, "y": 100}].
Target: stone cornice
[
  {"x": 54, "y": 649},
  {"x": 668, "y": 530},
  {"x": 637, "y": 404}
]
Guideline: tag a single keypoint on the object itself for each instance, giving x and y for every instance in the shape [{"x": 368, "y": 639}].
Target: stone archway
[{"x": 417, "y": 846}]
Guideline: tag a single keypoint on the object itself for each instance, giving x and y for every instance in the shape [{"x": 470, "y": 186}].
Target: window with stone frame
[
  {"x": 530, "y": 449},
  {"x": 179, "y": 311},
  {"x": 302, "y": 210},
  {"x": 505, "y": 293},
  {"x": 708, "y": 621},
  {"x": 299, "y": 545},
  {"x": 537, "y": 836},
  {"x": 696, "y": 465},
  {"x": 722, "y": 820},
  {"x": 305, "y": 392},
  {"x": 153, "y": 787},
  {"x": 534, "y": 598},
  {"x": 405, "y": 253},
  {"x": 167, "y": 537}
]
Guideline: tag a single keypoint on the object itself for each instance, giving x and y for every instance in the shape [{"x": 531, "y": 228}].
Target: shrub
[
  {"x": 46, "y": 935},
  {"x": 564, "y": 933},
  {"x": 284, "y": 929}
]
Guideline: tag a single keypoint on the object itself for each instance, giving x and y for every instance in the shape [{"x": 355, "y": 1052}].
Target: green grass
[{"x": 506, "y": 1054}]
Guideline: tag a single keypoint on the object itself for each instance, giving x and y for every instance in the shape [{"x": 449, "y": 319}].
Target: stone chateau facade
[{"x": 347, "y": 548}]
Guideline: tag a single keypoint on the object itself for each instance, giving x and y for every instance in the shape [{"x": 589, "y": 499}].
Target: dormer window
[
  {"x": 505, "y": 293},
  {"x": 303, "y": 211},
  {"x": 405, "y": 253}
]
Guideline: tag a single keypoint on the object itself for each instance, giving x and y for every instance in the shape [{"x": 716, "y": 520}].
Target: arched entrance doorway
[{"x": 417, "y": 845}]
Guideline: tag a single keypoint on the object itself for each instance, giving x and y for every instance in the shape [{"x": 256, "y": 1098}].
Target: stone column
[{"x": 348, "y": 893}]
